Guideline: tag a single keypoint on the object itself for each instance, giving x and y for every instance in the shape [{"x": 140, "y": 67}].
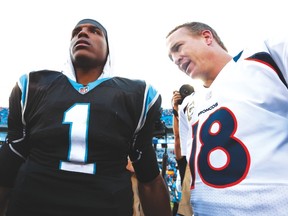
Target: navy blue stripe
[{"x": 266, "y": 58}]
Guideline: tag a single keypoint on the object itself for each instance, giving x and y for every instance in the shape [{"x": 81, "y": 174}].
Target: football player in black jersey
[{"x": 71, "y": 132}]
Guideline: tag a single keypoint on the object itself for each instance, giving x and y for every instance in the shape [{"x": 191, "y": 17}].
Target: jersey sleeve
[
  {"x": 184, "y": 128},
  {"x": 278, "y": 48},
  {"x": 142, "y": 153},
  {"x": 14, "y": 152},
  {"x": 183, "y": 131}
]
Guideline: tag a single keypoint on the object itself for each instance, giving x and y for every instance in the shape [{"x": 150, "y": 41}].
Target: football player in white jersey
[{"x": 238, "y": 156}]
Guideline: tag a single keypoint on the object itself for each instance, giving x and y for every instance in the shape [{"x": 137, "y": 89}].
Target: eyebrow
[
  {"x": 173, "y": 49},
  {"x": 88, "y": 26}
]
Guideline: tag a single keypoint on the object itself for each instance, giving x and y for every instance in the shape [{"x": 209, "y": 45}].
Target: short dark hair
[
  {"x": 95, "y": 23},
  {"x": 197, "y": 28}
]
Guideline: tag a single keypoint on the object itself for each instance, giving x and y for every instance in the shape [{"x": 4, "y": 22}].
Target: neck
[
  {"x": 86, "y": 76},
  {"x": 216, "y": 68}
]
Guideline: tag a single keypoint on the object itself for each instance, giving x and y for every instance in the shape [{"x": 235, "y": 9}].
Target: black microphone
[{"x": 184, "y": 91}]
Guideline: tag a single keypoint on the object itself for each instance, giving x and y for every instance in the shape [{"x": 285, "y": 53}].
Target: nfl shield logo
[{"x": 84, "y": 90}]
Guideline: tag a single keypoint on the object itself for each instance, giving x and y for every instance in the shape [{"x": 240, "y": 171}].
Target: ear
[{"x": 208, "y": 36}]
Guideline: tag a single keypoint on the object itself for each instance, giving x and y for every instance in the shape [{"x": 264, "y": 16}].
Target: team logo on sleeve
[{"x": 190, "y": 110}]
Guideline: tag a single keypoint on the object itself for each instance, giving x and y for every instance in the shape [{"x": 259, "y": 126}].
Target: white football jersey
[
  {"x": 238, "y": 153},
  {"x": 185, "y": 129}
]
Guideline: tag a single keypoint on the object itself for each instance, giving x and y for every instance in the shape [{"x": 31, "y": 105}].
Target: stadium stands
[{"x": 3, "y": 124}]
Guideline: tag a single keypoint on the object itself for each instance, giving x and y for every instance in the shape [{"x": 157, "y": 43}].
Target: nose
[
  {"x": 83, "y": 32},
  {"x": 177, "y": 60}
]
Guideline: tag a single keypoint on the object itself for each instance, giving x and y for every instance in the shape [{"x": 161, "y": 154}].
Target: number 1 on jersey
[{"x": 78, "y": 119}]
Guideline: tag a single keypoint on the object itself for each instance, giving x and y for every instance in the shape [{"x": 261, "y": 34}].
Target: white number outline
[{"x": 77, "y": 116}]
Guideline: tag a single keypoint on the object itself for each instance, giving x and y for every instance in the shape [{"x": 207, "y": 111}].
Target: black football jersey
[{"x": 74, "y": 141}]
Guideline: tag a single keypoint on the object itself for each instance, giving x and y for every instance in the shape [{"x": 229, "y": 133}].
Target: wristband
[{"x": 175, "y": 112}]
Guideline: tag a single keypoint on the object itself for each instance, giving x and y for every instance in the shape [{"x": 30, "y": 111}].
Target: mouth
[
  {"x": 185, "y": 66},
  {"x": 82, "y": 42}
]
